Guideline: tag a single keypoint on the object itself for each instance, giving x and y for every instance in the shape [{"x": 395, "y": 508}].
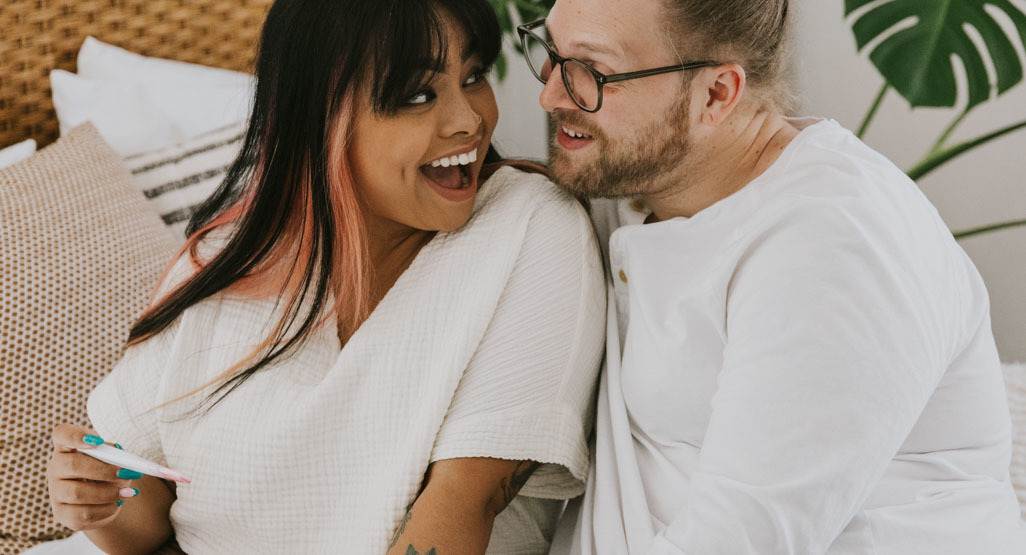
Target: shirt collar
[{"x": 632, "y": 211}]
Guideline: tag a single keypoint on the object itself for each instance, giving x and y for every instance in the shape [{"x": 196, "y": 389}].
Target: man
[{"x": 799, "y": 356}]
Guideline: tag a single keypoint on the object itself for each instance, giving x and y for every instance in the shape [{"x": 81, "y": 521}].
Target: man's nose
[{"x": 554, "y": 95}]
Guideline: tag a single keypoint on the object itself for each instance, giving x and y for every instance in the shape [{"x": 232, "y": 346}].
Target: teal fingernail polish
[
  {"x": 126, "y": 474},
  {"x": 120, "y": 503},
  {"x": 118, "y": 445},
  {"x": 92, "y": 440}
]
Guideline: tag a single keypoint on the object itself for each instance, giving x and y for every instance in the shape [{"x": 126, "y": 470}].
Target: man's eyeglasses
[{"x": 583, "y": 83}]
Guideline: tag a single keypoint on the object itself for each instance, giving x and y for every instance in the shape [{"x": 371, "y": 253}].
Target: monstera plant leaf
[{"x": 916, "y": 61}]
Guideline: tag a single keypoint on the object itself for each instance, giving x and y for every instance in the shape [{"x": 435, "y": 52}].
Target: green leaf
[
  {"x": 531, "y": 10},
  {"x": 502, "y": 13},
  {"x": 500, "y": 66},
  {"x": 527, "y": 11},
  {"x": 917, "y": 61}
]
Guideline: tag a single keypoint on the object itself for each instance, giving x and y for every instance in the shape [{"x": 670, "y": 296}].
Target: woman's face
[{"x": 419, "y": 167}]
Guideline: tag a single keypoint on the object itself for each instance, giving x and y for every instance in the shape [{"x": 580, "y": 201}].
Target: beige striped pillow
[
  {"x": 177, "y": 179},
  {"x": 80, "y": 252}
]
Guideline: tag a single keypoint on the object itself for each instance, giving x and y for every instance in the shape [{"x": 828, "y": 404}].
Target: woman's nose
[{"x": 461, "y": 118}]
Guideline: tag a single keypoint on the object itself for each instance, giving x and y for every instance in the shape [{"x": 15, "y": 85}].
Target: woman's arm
[
  {"x": 458, "y": 505},
  {"x": 85, "y": 492}
]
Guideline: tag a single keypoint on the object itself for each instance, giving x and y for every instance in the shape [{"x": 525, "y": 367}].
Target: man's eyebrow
[
  {"x": 596, "y": 48},
  {"x": 593, "y": 47}
]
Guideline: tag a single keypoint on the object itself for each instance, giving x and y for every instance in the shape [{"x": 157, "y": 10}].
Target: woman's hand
[{"x": 86, "y": 494}]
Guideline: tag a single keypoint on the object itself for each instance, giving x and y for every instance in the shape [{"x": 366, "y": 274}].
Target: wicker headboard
[{"x": 37, "y": 36}]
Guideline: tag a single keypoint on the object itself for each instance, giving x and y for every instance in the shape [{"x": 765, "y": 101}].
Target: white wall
[
  {"x": 985, "y": 186},
  {"x": 521, "y": 131}
]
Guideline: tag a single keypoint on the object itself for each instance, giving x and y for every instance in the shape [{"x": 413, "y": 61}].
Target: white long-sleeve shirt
[{"x": 806, "y": 366}]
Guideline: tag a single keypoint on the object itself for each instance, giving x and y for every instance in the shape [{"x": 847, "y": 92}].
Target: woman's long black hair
[{"x": 288, "y": 199}]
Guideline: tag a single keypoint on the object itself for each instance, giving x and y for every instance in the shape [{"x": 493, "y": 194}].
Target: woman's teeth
[
  {"x": 464, "y": 159},
  {"x": 575, "y": 134}
]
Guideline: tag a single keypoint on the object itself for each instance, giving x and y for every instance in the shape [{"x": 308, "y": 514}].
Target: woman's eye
[
  {"x": 475, "y": 78},
  {"x": 423, "y": 97}
]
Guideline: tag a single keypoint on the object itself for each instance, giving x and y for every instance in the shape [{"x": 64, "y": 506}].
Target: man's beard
[{"x": 624, "y": 168}]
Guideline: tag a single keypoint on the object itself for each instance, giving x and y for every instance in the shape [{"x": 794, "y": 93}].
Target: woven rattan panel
[{"x": 37, "y": 36}]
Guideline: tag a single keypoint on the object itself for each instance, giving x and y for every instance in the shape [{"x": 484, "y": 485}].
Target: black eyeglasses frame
[{"x": 600, "y": 78}]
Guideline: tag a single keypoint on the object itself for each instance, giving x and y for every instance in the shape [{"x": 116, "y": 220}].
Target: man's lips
[{"x": 570, "y": 139}]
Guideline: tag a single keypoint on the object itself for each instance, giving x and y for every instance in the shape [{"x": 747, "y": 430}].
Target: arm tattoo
[
  {"x": 511, "y": 486},
  {"x": 412, "y": 551},
  {"x": 402, "y": 526}
]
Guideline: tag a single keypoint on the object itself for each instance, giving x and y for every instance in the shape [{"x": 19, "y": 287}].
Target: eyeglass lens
[{"x": 579, "y": 81}]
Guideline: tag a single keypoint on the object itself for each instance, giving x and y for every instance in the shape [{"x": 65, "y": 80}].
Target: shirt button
[
  {"x": 638, "y": 205},
  {"x": 623, "y": 276}
]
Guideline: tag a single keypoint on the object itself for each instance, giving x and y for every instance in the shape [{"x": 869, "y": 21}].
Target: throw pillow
[
  {"x": 141, "y": 104},
  {"x": 16, "y": 153},
  {"x": 80, "y": 252},
  {"x": 177, "y": 179},
  {"x": 125, "y": 116}
]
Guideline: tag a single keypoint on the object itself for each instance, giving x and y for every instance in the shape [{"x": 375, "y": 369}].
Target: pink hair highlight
[{"x": 280, "y": 274}]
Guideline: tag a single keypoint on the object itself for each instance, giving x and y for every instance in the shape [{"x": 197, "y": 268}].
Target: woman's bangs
[
  {"x": 414, "y": 46},
  {"x": 478, "y": 21}
]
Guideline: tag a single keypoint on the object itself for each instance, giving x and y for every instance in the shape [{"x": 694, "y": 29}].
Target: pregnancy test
[{"x": 119, "y": 458}]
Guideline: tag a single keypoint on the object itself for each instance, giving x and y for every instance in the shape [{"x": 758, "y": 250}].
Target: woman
[{"x": 371, "y": 344}]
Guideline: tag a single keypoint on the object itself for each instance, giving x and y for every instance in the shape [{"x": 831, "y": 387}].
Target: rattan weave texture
[{"x": 37, "y": 36}]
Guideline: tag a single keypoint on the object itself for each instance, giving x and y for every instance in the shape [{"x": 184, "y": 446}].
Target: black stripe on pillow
[
  {"x": 180, "y": 215},
  {"x": 201, "y": 150},
  {"x": 155, "y": 192}
]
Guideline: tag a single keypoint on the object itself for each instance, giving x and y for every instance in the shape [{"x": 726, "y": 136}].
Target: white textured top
[
  {"x": 806, "y": 366},
  {"x": 487, "y": 346}
]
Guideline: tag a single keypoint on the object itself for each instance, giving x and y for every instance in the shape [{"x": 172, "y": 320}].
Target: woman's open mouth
[{"x": 452, "y": 176}]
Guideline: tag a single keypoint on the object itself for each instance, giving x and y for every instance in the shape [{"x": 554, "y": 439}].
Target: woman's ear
[{"x": 723, "y": 87}]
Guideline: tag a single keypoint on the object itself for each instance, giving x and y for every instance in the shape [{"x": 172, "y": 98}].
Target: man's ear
[{"x": 723, "y": 86}]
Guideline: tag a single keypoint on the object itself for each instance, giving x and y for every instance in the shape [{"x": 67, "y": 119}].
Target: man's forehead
[{"x": 615, "y": 27}]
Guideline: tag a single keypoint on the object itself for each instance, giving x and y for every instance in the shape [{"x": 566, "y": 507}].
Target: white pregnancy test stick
[{"x": 119, "y": 458}]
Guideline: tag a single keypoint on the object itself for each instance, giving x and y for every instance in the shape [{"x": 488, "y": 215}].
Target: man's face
[{"x": 641, "y": 131}]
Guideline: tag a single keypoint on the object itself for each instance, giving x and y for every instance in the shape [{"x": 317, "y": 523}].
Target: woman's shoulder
[
  {"x": 531, "y": 195},
  {"x": 545, "y": 228}
]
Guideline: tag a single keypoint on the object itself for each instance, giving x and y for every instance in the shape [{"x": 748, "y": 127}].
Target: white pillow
[
  {"x": 99, "y": 60},
  {"x": 177, "y": 179},
  {"x": 16, "y": 153},
  {"x": 199, "y": 99},
  {"x": 126, "y": 116},
  {"x": 140, "y": 104}
]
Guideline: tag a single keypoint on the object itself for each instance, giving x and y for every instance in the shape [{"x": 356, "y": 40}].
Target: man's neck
[{"x": 734, "y": 155}]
